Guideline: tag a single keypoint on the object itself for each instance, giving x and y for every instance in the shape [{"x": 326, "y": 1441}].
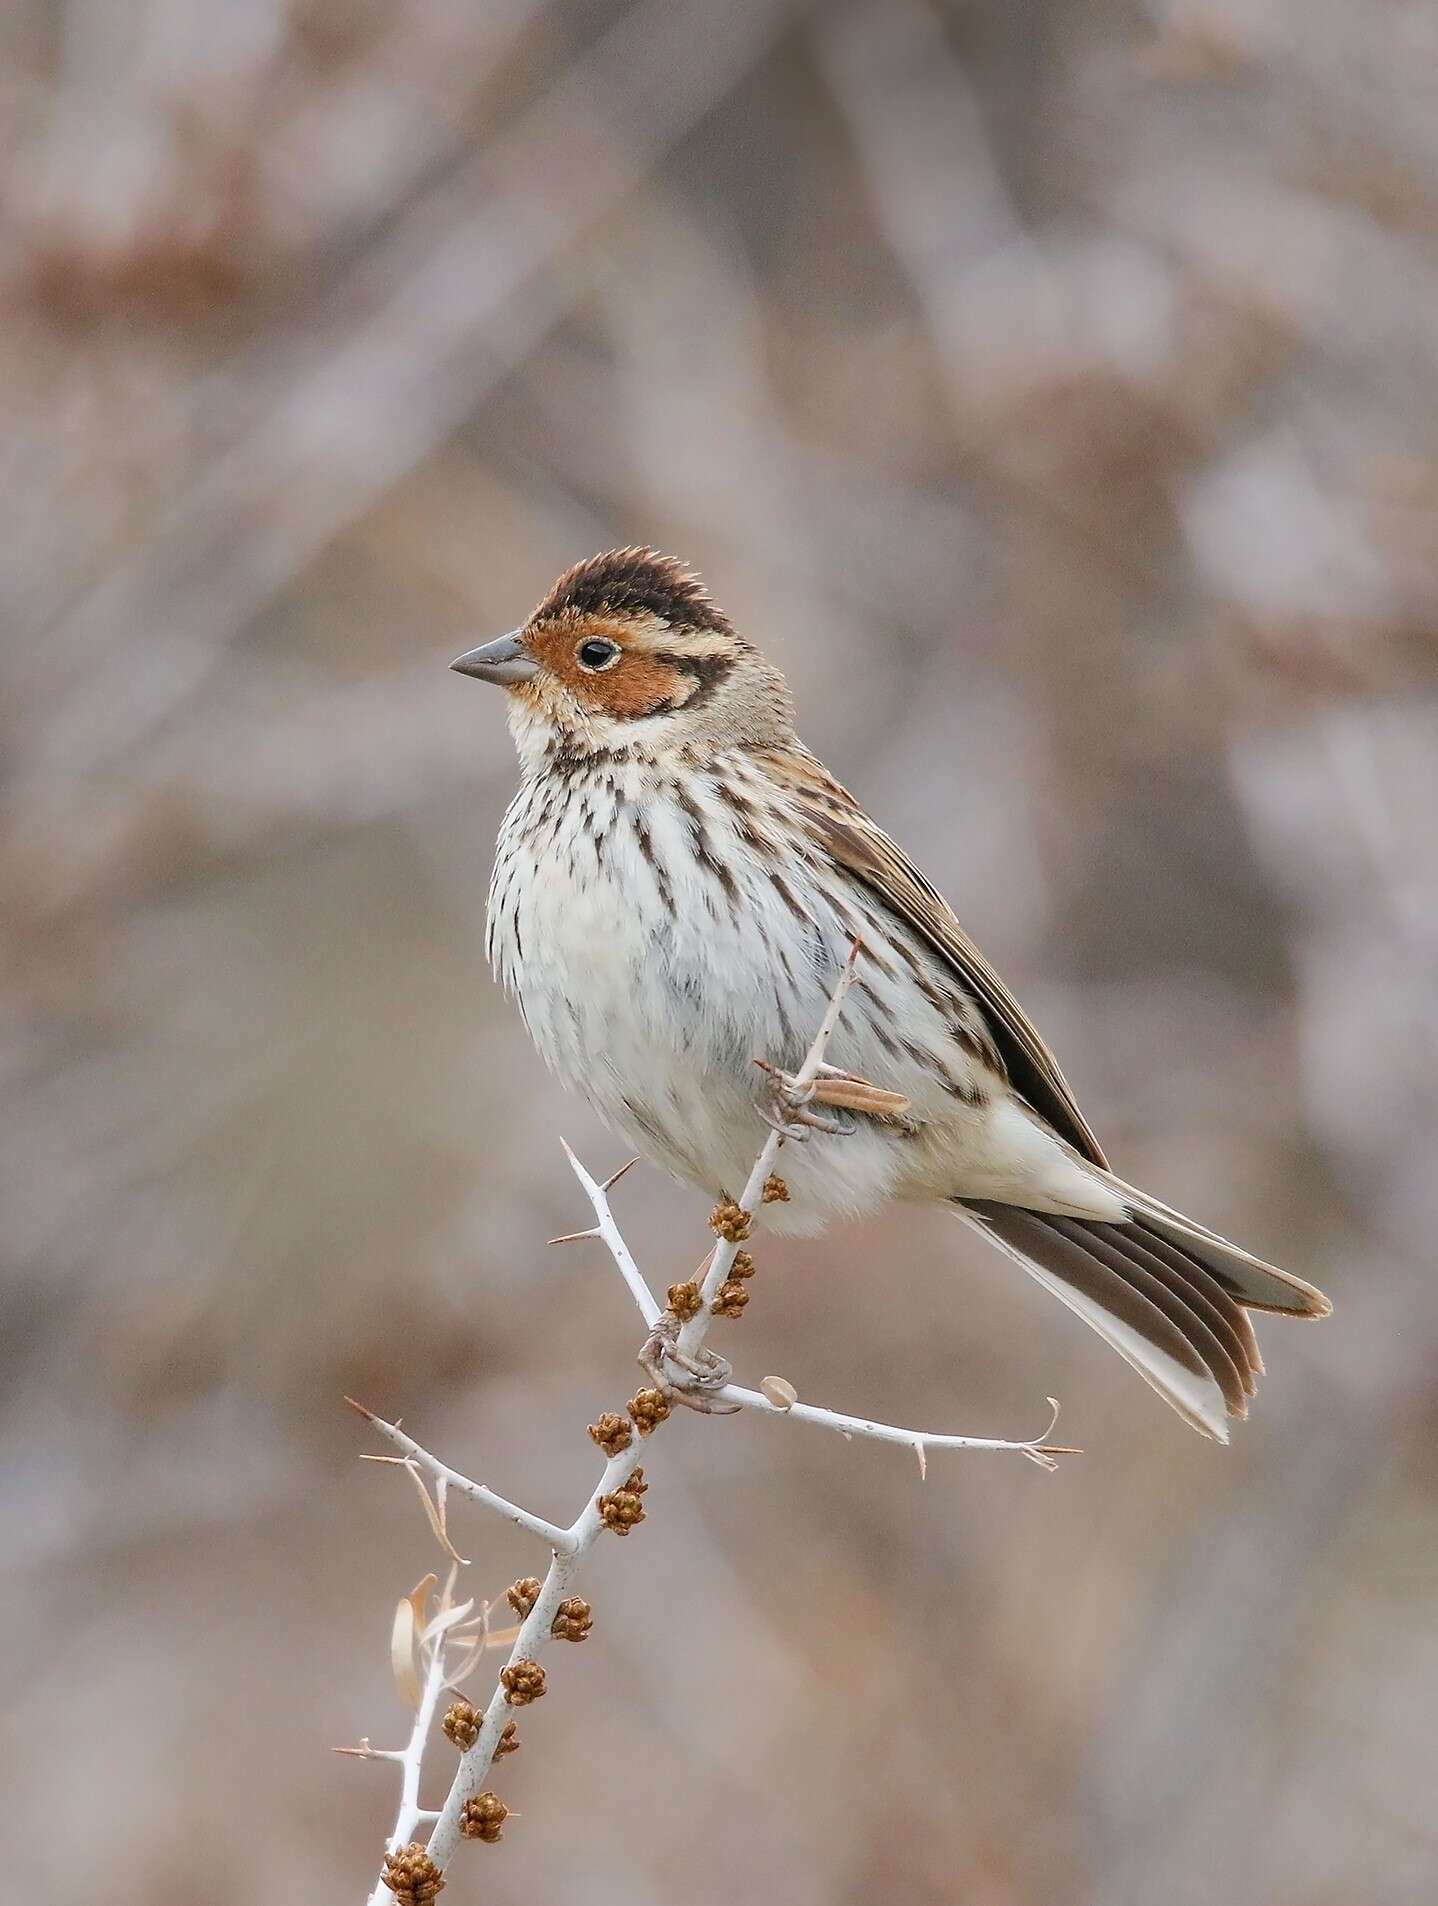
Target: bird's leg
[{"x": 660, "y": 1356}]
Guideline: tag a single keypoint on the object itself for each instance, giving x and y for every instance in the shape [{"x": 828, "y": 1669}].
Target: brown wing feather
[{"x": 861, "y": 848}]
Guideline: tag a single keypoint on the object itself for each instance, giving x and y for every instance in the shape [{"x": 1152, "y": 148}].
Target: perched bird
[{"x": 676, "y": 886}]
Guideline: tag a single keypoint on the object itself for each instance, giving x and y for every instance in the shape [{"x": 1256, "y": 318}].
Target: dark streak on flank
[
  {"x": 979, "y": 1048},
  {"x": 647, "y": 1123},
  {"x": 958, "y": 1009},
  {"x": 791, "y": 900},
  {"x": 936, "y": 1069}
]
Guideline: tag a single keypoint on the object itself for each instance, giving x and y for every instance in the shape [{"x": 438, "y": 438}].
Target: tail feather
[
  {"x": 1254, "y": 1284},
  {"x": 1143, "y": 1334},
  {"x": 1183, "y": 1264},
  {"x": 1170, "y": 1297},
  {"x": 1204, "y": 1328}
]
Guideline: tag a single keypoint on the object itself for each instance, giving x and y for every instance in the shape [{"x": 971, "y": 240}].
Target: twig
[
  {"x": 605, "y": 1228},
  {"x": 476, "y": 1491},
  {"x": 1037, "y": 1449}
]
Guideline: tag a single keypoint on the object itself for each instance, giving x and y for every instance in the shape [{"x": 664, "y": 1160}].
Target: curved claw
[{"x": 776, "y": 1121}]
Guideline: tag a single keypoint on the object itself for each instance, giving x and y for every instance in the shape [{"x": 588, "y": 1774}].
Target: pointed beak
[{"x": 505, "y": 661}]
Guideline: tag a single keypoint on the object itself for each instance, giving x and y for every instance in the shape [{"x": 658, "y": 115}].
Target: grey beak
[{"x": 505, "y": 661}]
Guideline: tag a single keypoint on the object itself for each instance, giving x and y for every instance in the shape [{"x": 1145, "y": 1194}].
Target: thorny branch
[{"x": 677, "y": 1352}]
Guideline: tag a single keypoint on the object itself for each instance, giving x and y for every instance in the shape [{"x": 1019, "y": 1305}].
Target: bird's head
[{"x": 627, "y": 654}]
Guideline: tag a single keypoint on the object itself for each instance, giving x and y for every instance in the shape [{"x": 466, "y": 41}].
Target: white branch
[
  {"x": 549, "y": 1532},
  {"x": 1036, "y": 1448},
  {"x": 649, "y": 1307},
  {"x": 411, "y": 1760},
  {"x": 571, "y": 1545}
]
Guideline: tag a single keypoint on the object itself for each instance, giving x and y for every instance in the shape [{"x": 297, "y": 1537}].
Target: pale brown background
[{"x": 1051, "y": 386}]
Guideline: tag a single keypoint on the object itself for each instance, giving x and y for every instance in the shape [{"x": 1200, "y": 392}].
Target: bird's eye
[{"x": 597, "y": 654}]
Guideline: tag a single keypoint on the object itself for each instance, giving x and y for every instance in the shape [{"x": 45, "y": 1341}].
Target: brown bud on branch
[
  {"x": 622, "y": 1511},
  {"x": 461, "y": 1725},
  {"x": 573, "y": 1620},
  {"x": 684, "y": 1300},
  {"x": 523, "y": 1682},
  {"x": 612, "y": 1433},
  {"x": 649, "y": 1408},
  {"x": 482, "y": 1817},
  {"x": 730, "y": 1222},
  {"x": 523, "y": 1594},
  {"x": 411, "y": 1875}
]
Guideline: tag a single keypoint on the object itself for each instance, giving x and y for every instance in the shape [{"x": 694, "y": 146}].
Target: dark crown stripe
[{"x": 632, "y": 581}]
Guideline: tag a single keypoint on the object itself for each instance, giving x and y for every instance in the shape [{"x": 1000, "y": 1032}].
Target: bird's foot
[
  {"x": 682, "y": 1378},
  {"x": 789, "y": 1107}
]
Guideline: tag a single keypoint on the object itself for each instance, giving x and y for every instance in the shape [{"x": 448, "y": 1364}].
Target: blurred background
[{"x": 1052, "y": 388}]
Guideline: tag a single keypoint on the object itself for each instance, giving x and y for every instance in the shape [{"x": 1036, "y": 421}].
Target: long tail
[{"x": 1172, "y": 1298}]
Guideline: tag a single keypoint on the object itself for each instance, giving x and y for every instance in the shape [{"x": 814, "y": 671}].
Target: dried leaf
[
  {"x": 445, "y": 1620},
  {"x": 434, "y": 1511},
  {"x": 467, "y": 1663},
  {"x": 402, "y": 1652},
  {"x": 409, "y": 1618}
]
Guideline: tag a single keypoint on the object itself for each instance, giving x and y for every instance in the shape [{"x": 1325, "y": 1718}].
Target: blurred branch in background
[
  {"x": 1053, "y": 388},
  {"x": 461, "y": 286}
]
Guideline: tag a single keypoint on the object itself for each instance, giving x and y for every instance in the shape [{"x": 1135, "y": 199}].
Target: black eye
[{"x": 597, "y": 654}]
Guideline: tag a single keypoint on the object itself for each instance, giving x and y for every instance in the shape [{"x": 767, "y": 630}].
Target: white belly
[{"x": 651, "y": 984}]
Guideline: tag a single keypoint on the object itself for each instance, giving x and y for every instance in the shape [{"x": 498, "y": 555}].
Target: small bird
[{"x": 677, "y": 884}]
